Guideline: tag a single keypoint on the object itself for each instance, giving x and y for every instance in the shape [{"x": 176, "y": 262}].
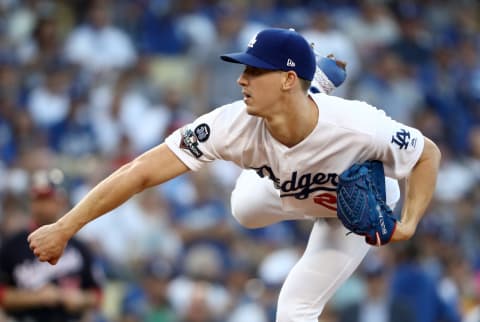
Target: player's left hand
[
  {"x": 48, "y": 243},
  {"x": 361, "y": 203}
]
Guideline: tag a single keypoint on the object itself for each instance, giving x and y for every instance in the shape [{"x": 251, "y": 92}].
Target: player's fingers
[
  {"x": 36, "y": 252},
  {"x": 341, "y": 64},
  {"x": 53, "y": 261}
]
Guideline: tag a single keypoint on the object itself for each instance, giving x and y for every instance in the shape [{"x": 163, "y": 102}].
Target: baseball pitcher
[{"x": 295, "y": 146}]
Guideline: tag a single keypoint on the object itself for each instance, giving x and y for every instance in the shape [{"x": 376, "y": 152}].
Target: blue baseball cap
[{"x": 277, "y": 49}]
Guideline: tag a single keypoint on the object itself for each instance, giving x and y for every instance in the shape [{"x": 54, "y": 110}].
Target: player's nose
[{"x": 242, "y": 80}]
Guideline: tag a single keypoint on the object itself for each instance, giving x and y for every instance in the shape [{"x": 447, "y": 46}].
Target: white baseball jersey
[{"x": 305, "y": 175}]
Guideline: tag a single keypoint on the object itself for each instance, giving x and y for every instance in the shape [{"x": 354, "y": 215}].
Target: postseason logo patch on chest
[{"x": 189, "y": 141}]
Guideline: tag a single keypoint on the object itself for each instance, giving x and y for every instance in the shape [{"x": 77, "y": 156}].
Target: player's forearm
[
  {"x": 107, "y": 195},
  {"x": 154, "y": 167},
  {"x": 419, "y": 188}
]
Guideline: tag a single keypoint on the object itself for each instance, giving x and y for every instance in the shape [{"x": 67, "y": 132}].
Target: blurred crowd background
[{"x": 86, "y": 86}]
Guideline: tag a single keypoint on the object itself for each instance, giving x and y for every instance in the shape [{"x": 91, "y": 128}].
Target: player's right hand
[
  {"x": 330, "y": 74},
  {"x": 48, "y": 243}
]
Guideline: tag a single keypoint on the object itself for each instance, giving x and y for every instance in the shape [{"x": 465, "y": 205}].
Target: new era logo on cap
[
  {"x": 278, "y": 49},
  {"x": 252, "y": 41}
]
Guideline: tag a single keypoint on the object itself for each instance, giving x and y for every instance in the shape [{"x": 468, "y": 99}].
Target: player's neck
[{"x": 294, "y": 123}]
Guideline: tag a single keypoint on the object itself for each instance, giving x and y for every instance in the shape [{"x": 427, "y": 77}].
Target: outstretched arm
[
  {"x": 151, "y": 168},
  {"x": 419, "y": 188}
]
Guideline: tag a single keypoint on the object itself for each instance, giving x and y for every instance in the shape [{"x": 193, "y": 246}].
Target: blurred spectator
[
  {"x": 75, "y": 137},
  {"x": 141, "y": 230},
  {"x": 36, "y": 158},
  {"x": 273, "y": 270},
  {"x": 150, "y": 222},
  {"x": 147, "y": 301},
  {"x": 179, "y": 111},
  {"x": 252, "y": 312},
  {"x": 468, "y": 89},
  {"x": 473, "y": 315},
  {"x": 43, "y": 48},
  {"x": 415, "y": 44},
  {"x": 377, "y": 305},
  {"x": 49, "y": 103},
  {"x": 13, "y": 216},
  {"x": 202, "y": 223},
  {"x": 117, "y": 109},
  {"x": 159, "y": 29},
  {"x": 473, "y": 159},
  {"x": 234, "y": 31},
  {"x": 328, "y": 39},
  {"x": 196, "y": 27},
  {"x": 97, "y": 46},
  {"x": 246, "y": 290},
  {"x": 34, "y": 291},
  {"x": 266, "y": 12},
  {"x": 275, "y": 267},
  {"x": 438, "y": 79},
  {"x": 8, "y": 148},
  {"x": 372, "y": 28},
  {"x": 21, "y": 17},
  {"x": 387, "y": 85},
  {"x": 198, "y": 301},
  {"x": 417, "y": 289},
  {"x": 454, "y": 178},
  {"x": 458, "y": 286}
]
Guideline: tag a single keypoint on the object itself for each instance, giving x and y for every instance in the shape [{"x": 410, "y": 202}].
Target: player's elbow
[{"x": 432, "y": 153}]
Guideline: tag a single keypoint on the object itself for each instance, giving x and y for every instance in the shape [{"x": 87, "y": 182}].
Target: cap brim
[{"x": 247, "y": 59}]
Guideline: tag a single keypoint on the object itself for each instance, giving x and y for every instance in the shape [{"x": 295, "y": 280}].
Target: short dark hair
[{"x": 305, "y": 84}]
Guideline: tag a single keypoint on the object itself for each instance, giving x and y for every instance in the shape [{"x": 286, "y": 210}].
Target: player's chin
[
  {"x": 254, "y": 113},
  {"x": 251, "y": 109}
]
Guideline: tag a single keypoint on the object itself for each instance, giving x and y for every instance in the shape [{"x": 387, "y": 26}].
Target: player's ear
[{"x": 289, "y": 80}]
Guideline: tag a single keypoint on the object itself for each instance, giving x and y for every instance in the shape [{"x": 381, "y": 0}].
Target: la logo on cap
[
  {"x": 277, "y": 49},
  {"x": 252, "y": 41}
]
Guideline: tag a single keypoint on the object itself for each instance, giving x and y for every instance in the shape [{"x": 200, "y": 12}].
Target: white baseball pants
[{"x": 331, "y": 256}]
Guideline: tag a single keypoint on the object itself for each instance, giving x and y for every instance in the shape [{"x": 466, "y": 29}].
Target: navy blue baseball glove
[{"x": 361, "y": 203}]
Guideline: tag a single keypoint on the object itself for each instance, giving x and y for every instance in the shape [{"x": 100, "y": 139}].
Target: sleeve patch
[
  {"x": 402, "y": 139},
  {"x": 202, "y": 132},
  {"x": 189, "y": 141}
]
